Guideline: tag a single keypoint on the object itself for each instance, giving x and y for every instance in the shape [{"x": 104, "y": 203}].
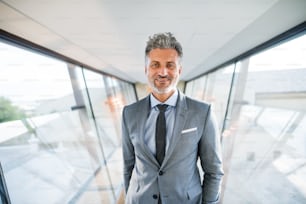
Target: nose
[{"x": 163, "y": 71}]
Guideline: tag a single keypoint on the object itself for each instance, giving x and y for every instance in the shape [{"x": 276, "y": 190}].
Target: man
[{"x": 160, "y": 160}]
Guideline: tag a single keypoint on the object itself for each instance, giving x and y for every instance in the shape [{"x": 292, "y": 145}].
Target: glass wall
[
  {"x": 213, "y": 88},
  {"x": 60, "y": 129},
  {"x": 264, "y": 130}
]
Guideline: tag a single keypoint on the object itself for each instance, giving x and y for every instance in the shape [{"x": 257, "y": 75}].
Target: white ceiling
[{"x": 110, "y": 35}]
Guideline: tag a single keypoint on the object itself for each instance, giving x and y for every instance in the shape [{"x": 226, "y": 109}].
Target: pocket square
[{"x": 189, "y": 130}]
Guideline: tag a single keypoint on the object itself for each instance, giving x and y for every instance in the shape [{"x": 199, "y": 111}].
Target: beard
[{"x": 163, "y": 89}]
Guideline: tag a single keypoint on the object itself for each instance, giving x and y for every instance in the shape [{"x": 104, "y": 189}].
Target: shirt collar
[{"x": 171, "y": 101}]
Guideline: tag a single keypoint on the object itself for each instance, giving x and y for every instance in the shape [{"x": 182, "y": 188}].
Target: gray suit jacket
[{"x": 177, "y": 180}]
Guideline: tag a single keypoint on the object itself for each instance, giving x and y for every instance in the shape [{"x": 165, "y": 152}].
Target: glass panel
[
  {"x": 199, "y": 88},
  {"x": 128, "y": 92},
  {"x": 217, "y": 91},
  {"x": 107, "y": 99},
  {"x": 264, "y": 141},
  {"x": 4, "y": 196},
  {"x": 214, "y": 89},
  {"x": 196, "y": 88},
  {"x": 93, "y": 191},
  {"x": 188, "y": 90},
  {"x": 44, "y": 137}
]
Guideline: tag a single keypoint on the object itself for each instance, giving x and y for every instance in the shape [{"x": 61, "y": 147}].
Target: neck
[{"x": 163, "y": 97}]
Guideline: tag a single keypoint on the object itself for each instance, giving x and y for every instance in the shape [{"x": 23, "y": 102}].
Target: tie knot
[{"x": 162, "y": 107}]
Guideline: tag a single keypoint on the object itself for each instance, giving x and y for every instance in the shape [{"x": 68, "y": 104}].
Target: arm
[
  {"x": 128, "y": 153},
  {"x": 211, "y": 160}
]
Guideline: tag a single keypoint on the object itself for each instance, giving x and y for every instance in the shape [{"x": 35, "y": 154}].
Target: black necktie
[{"x": 160, "y": 134}]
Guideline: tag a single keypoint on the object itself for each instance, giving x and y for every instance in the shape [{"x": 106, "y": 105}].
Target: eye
[
  {"x": 154, "y": 65},
  {"x": 171, "y": 65}
]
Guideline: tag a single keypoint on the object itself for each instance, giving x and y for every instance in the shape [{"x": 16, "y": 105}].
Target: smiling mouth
[{"x": 163, "y": 78}]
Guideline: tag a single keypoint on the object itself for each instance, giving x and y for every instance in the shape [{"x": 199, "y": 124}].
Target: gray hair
[{"x": 163, "y": 41}]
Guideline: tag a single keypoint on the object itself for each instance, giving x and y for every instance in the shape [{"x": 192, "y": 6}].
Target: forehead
[{"x": 163, "y": 55}]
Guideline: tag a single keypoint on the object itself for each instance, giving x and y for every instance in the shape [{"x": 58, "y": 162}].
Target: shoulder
[
  {"x": 136, "y": 105},
  {"x": 199, "y": 108},
  {"x": 196, "y": 101},
  {"x": 196, "y": 104}
]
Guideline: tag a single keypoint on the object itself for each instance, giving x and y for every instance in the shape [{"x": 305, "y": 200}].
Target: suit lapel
[
  {"x": 143, "y": 113},
  {"x": 180, "y": 119}
]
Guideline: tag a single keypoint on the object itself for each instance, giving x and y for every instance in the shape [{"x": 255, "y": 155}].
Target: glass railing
[
  {"x": 59, "y": 130},
  {"x": 264, "y": 128}
]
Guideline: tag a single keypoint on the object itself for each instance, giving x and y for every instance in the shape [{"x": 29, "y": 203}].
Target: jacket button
[
  {"x": 155, "y": 196},
  {"x": 160, "y": 173}
]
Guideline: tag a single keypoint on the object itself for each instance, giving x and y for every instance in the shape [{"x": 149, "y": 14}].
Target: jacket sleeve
[
  {"x": 128, "y": 152},
  {"x": 211, "y": 160}
]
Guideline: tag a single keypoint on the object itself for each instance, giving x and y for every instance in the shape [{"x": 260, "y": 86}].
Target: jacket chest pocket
[
  {"x": 188, "y": 141},
  {"x": 189, "y": 135}
]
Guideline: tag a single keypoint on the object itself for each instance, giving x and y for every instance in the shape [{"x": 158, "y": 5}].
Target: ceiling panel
[{"x": 110, "y": 35}]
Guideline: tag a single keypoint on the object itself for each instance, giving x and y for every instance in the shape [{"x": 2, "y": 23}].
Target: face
[{"x": 163, "y": 70}]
